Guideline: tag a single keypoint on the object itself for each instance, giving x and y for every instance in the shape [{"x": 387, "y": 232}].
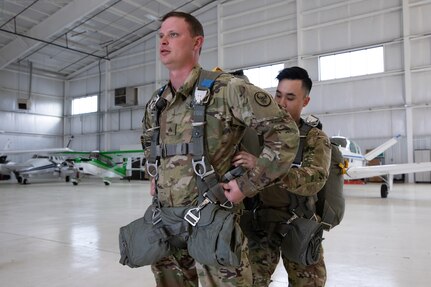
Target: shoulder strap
[
  {"x": 201, "y": 96},
  {"x": 157, "y": 107},
  {"x": 303, "y": 132},
  {"x": 209, "y": 183}
]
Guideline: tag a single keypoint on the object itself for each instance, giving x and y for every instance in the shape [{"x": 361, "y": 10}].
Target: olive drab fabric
[
  {"x": 308, "y": 179},
  {"x": 299, "y": 183},
  {"x": 232, "y": 106},
  {"x": 331, "y": 203}
]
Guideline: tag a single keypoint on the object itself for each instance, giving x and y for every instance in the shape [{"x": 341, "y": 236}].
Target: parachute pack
[{"x": 330, "y": 204}]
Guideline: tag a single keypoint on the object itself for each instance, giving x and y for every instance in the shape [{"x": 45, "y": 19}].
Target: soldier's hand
[
  {"x": 244, "y": 159},
  {"x": 232, "y": 191},
  {"x": 153, "y": 187}
]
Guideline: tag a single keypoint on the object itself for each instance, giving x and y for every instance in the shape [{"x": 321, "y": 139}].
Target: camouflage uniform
[
  {"x": 306, "y": 180},
  {"x": 233, "y": 106}
]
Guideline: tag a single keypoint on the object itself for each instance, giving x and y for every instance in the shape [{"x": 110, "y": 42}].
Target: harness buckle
[
  {"x": 151, "y": 168},
  {"x": 156, "y": 218},
  {"x": 292, "y": 218},
  {"x": 200, "y": 168},
  {"x": 191, "y": 218},
  {"x": 227, "y": 204},
  {"x": 193, "y": 215}
]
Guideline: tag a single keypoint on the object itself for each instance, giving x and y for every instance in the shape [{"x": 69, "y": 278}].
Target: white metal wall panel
[
  {"x": 421, "y": 52},
  {"x": 365, "y": 124},
  {"x": 348, "y": 96},
  {"x": 130, "y": 137},
  {"x": 332, "y": 30},
  {"x": 393, "y": 56},
  {"x": 420, "y": 20},
  {"x": 421, "y": 118},
  {"x": 265, "y": 32},
  {"x": 42, "y": 121},
  {"x": 421, "y": 87},
  {"x": 85, "y": 87}
]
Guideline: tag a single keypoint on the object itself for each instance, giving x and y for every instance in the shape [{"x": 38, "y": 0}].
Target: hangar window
[
  {"x": 351, "y": 64},
  {"x": 264, "y": 77},
  {"x": 84, "y": 105}
]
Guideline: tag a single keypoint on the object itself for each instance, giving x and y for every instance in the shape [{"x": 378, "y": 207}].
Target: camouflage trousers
[
  {"x": 181, "y": 270},
  {"x": 264, "y": 259}
]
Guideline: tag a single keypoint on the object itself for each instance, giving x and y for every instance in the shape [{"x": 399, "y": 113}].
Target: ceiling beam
[{"x": 53, "y": 25}]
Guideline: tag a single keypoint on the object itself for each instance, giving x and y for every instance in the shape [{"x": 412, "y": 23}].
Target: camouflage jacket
[
  {"x": 232, "y": 107},
  {"x": 308, "y": 179}
]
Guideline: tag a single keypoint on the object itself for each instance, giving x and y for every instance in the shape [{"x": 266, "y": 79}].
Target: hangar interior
[{"x": 53, "y": 52}]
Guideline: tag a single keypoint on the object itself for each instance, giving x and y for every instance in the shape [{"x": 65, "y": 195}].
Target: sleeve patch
[{"x": 262, "y": 99}]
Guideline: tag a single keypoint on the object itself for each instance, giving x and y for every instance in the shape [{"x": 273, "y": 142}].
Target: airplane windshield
[{"x": 339, "y": 141}]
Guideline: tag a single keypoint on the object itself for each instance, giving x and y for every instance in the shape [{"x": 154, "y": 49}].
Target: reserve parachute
[{"x": 330, "y": 203}]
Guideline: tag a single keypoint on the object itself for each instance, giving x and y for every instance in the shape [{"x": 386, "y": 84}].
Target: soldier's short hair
[
  {"x": 297, "y": 73},
  {"x": 195, "y": 27}
]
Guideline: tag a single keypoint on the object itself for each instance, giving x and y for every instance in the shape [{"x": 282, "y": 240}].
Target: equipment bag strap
[{"x": 303, "y": 131}]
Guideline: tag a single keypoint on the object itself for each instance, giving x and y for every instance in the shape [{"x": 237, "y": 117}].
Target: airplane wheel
[
  {"x": 67, "y": 178},
  {"x": 106, "y": 182},
  {"x": 19, "y": 179},
  {"x": 75, "y": 183},
  {"x": 384, "y": 191},
  {"x": 24, "y": 181}
]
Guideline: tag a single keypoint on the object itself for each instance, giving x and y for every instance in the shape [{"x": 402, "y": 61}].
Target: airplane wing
[
  {"x": 116, "y": 154},
  {"x": 16, "y": 166},
  {"x": 36, "y": 151},
  {"x": 357, "y": 172},
  {"x": 123, "y": 153}
]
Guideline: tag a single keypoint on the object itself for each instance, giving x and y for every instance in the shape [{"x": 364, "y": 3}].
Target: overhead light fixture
[{"x": 152, "y": 17}]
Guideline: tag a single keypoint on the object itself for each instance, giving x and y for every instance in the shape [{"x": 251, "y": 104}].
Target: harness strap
[
  {"x": 152, "y": 160},
  {"x": 207, "y": 180},
  {"x": 303, "y": 131}
]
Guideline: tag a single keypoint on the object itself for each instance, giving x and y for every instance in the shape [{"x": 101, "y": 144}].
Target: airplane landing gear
[
  {"x": 106, "y": 182},
  {"x": 384, "y": 190}
]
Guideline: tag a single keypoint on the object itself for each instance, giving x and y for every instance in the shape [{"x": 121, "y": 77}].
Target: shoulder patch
[{"x": 262, "y": 99}]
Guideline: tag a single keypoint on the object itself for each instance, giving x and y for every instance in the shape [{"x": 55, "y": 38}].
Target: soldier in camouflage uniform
[
  {"x": 233, "y": 105},
  {"x": 293, "y": 95}
]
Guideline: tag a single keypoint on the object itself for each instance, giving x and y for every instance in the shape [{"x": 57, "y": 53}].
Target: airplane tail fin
[{"x": 381, "y": 148}]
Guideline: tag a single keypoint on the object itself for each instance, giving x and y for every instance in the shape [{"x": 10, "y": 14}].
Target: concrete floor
[{"x": 56, "y": 234}]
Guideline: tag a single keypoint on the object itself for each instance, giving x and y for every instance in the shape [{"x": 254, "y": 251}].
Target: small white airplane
[
  {"x": 103, "y": 164},
  {"x": 357, "y": 169},
  {"x": 43, "y": 164}
]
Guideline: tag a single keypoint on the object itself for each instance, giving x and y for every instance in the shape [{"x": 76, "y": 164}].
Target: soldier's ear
[
  {"x": 306, "y": 100},
  {"x": 199, "y": 42}
]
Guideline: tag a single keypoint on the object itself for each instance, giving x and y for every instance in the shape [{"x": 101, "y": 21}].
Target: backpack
[{"x": 330, "y": 203}]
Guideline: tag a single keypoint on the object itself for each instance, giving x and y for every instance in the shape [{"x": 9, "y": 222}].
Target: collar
[{"x": 187, "y": 88}]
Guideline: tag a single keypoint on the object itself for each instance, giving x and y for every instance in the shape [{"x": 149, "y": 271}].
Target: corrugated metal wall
[{"x": 244, "y": 34}]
